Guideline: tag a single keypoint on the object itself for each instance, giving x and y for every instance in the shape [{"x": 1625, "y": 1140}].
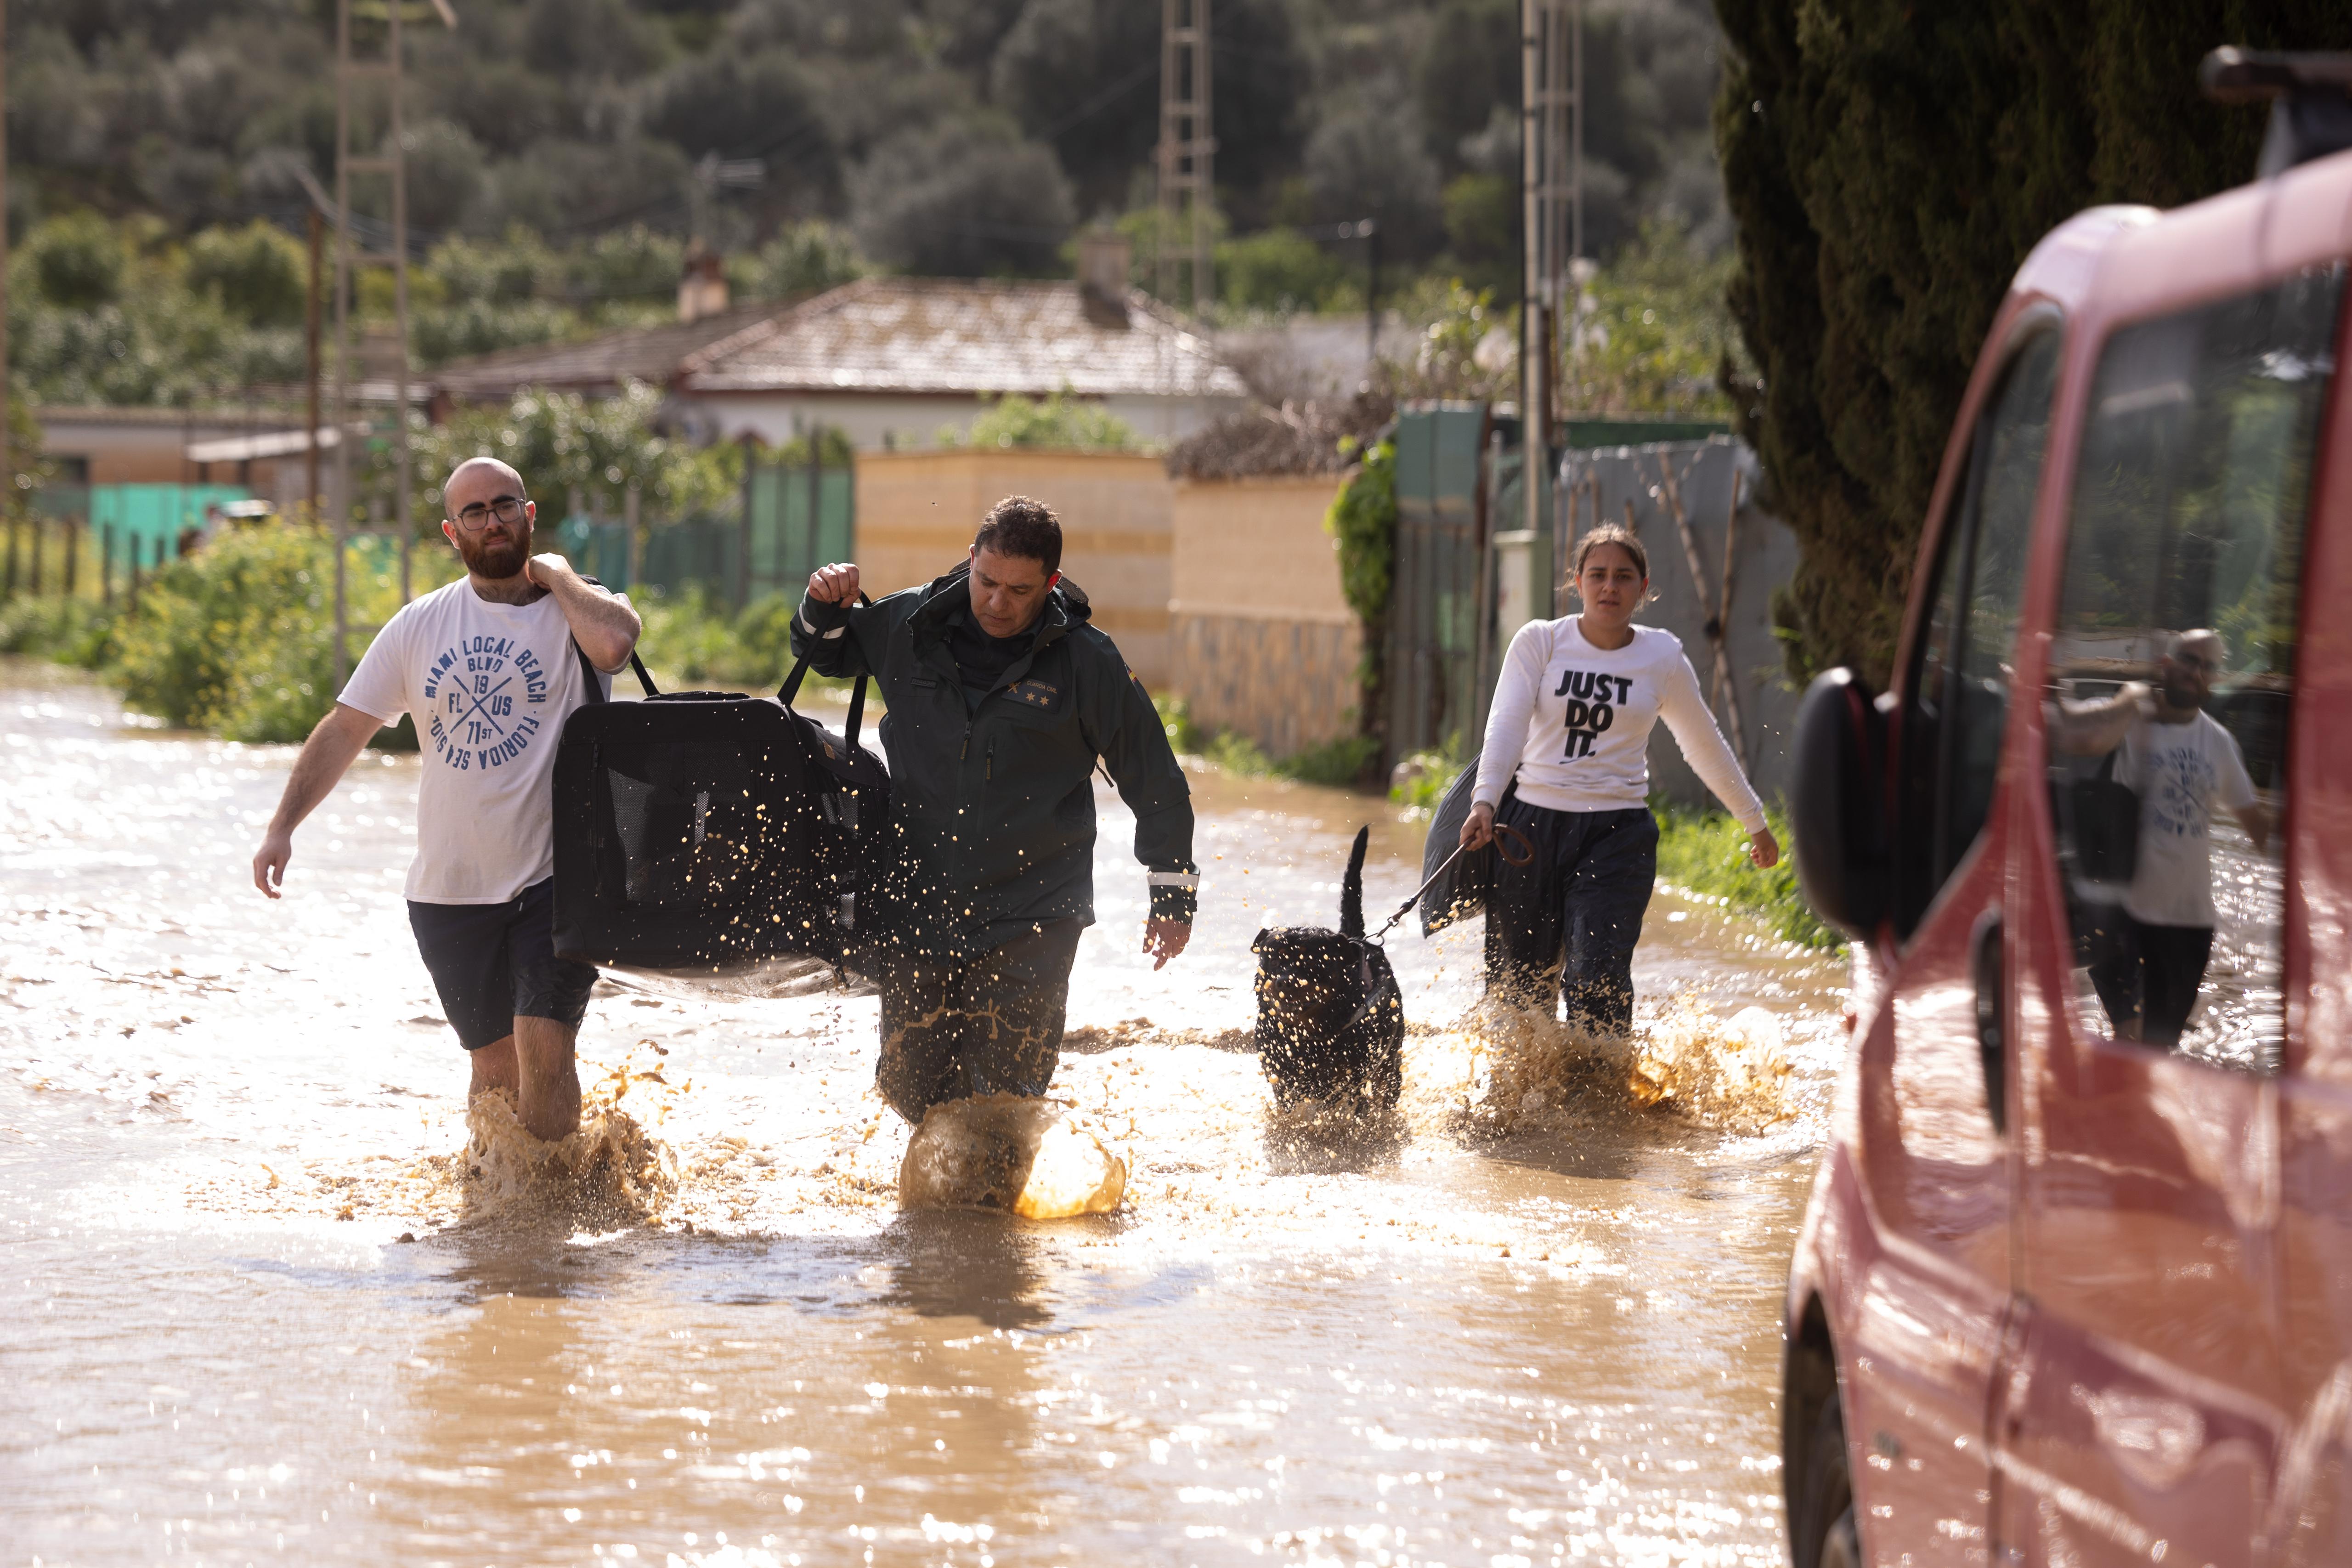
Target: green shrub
[
  {"x": 1363, "y": 520},
  {"x": 1063, "y": 424},
  {"x": 1706, "y": 852},
  {"x": 1238, "y": 754},
  {"x": 1340, "y": 762},
  {"x": 691, "y": 640},
  {"x": 1429, "y": 775},
  {"x": 77, "y": 632},
  {"x": 238, "y": 637},
  {"x": 1187, "y": 737}
]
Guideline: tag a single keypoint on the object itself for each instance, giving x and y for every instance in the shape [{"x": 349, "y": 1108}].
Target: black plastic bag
[{"x": 1462, "y": 892}]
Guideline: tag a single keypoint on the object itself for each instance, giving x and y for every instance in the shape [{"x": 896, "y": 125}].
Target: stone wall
[{"x": 1262, "y": 642}]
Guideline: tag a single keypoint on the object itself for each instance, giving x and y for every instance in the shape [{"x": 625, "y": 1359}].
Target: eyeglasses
[{"x": 475, "y": 518}]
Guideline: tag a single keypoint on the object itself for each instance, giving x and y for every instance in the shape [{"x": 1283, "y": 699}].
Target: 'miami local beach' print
[{"x": 474, "y": 691}]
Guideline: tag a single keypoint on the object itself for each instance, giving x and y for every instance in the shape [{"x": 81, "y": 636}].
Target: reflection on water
[{"x": 1530, "y": 1319}]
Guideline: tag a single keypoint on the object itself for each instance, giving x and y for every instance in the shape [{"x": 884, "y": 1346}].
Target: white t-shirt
[
  {"x": 2181, "y": 772},
  {"x": 1574, "y": 720},
  {"x": 490, "y": 685}
]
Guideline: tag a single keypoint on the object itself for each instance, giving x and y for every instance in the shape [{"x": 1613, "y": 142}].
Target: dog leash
[{"x": 1505, "y": 835}]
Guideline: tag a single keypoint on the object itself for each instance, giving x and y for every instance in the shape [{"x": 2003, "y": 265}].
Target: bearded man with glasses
[{"x": 489, "y": 667}]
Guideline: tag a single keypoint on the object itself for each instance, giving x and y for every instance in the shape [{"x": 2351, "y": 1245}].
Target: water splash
[
  {"x": 612, "y": 1171},
  {"x": 1029, "y": 1157},
  {"x": 1729, "y": 1073},
  {"x": 1502, "y": 1069}
]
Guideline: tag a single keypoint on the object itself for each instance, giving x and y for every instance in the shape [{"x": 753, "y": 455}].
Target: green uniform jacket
[{"x": 997, "y": 805}]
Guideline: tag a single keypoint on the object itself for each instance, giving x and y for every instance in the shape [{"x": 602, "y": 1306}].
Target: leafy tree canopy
[{"x": 1889, "y": 168}]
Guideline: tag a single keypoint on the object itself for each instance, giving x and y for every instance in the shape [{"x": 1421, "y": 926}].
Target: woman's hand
[
  {"x": 1478, "y": 828},
  {"x": 1763, "y": 849}
]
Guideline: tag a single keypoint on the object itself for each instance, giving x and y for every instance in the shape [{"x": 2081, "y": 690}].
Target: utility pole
[
  {"x": 351, "y": 69},
  {"x": 1187, "y": 150},
  {"x": 1551, "y": 204}
]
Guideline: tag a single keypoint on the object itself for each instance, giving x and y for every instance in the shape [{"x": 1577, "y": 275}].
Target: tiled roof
[
  {"x": 948, "y": 335},
  {"x": 637, "y": 353}
]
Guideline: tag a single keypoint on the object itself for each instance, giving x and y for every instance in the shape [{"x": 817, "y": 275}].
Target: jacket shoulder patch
[{"x": 1035, "y": 693}]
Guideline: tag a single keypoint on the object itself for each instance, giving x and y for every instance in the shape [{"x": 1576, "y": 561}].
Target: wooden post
[
  {"x": 105, "y": 566},
  {"x": 8, "y": 588},
  {"x": 631, "y": 513},
  {"x": 1730, "y": 559},
  {"x": 135, "y": 552},
  {"x": 73, "y": 552},
  {"x": 310, "y": 363}
]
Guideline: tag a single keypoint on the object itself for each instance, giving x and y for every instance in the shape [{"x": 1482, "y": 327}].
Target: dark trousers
[
  {"x": 1577, "y": 903},
  {"x": 2149, "y": 978},
  {"x": 991, "y": 1024}
]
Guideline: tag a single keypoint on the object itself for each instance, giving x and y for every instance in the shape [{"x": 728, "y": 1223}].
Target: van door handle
[{"x": 1991, "y": 1013}]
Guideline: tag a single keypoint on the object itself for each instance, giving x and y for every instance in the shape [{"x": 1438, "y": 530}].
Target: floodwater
[{"x": 262, "y": 1301}]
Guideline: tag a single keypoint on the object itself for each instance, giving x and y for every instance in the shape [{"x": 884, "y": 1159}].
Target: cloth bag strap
[
  {"x": 792, "y": 688},
  {"x": 595, "y": 685}
]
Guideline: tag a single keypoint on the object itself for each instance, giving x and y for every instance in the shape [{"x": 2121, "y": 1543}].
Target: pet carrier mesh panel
[{"x": 709, "y": 828}]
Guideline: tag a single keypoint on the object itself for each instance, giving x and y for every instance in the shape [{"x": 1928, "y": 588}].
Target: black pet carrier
[{"x": 711, "y": 829}]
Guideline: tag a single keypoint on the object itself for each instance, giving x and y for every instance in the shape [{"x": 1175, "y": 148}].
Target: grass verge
[
  {"x": 1706, "y": 852},
  {"x": 1340, "y": 764}
]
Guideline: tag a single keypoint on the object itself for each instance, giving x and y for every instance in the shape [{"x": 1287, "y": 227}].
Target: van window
[
  {"x": 2172, "y": 667},
  {"x": 1958, "y": 690}
]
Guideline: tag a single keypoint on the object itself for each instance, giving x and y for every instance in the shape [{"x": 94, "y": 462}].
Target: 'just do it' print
[
  {"x": 1594, "y": 700},
  {"x": 481, "y": 695}
]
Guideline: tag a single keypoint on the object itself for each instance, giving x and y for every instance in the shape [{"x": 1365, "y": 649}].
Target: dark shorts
[
  {"x": 493, "y": 963},
  {"x": 991, "y": 1024}
]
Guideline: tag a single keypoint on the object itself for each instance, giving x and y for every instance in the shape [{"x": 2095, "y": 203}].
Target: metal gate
[
  {"x": 796, "y": 518},
  {"x": 1438, "y": 600}
]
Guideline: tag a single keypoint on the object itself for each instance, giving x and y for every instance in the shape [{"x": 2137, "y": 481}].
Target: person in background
[
  {"x": 2182, "y": 764},
  {"x": 1000, "y": 699},
  {"x": 489, "y": 667},
  {"x": 1566, "y": 762}
]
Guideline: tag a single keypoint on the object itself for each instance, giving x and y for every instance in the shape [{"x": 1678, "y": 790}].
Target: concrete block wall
[{"x": 1264, "y": 643}]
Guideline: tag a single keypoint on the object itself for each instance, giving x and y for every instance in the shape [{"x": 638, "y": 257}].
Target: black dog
[{"x": 1330, "y": 1019}]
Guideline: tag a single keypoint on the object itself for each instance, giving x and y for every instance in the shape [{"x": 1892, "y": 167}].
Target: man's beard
[{"x": 494, "y": 558}]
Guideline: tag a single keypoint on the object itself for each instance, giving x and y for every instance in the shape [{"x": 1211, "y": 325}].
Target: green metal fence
[
  {"x": 1439, "y": 597},
  {"x": 793, "y": 517}
]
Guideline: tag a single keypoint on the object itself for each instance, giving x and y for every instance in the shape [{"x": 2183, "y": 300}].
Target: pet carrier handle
[
  {"x": 792, "y": 688},
  {"x": 589, "y": 674},
  {"x": 1504, "y": 837}
]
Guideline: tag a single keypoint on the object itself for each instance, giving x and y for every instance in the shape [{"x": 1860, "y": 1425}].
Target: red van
[{"x": 2075, "y": 1283}]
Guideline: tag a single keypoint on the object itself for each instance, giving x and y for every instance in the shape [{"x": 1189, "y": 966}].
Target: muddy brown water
[{"x": 1534, "y": 1320}]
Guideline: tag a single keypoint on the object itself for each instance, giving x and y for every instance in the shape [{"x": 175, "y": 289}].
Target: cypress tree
[{"x": 1889, "y": 165}]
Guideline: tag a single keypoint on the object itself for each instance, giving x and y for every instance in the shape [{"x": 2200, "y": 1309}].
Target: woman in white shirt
[{"x": 1565, "y": 761}]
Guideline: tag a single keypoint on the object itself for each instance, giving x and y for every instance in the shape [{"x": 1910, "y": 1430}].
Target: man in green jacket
[{"x": 1001, "y": 697}]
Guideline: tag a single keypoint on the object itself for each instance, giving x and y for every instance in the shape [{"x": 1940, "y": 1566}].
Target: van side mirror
[{"x": 1839, "y": 808}]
